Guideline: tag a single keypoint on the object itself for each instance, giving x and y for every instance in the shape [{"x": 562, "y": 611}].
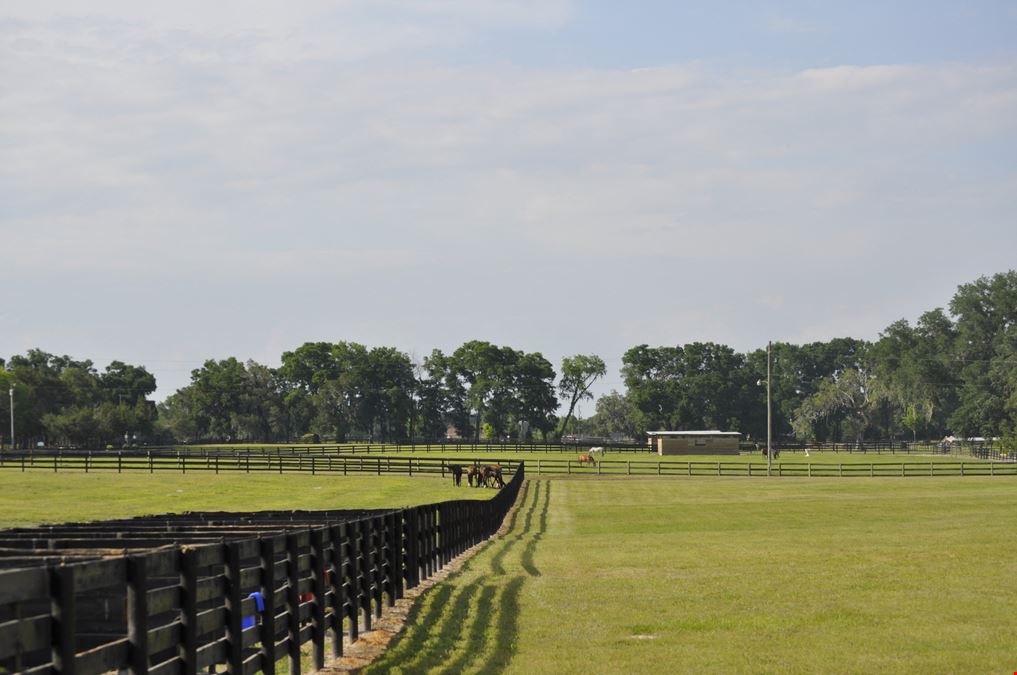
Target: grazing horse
[
  {"x": 457, "y": 474},
  {"x": 492, "y": 476},
  {"x": 473, "y": 473},
  {"x": 584, "y": 459}
]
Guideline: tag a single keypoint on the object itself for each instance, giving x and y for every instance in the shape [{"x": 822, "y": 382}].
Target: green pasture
[
  {"x": 730, "y": 576},
  {"x": 37, "y": 497},
  {"x": 721, "y": 575},
  {"x": 646, "y": 457}
]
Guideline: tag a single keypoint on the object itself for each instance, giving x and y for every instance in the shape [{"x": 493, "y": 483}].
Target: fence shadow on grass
[
  {"x": 531, "y": 545},
  {"x": 470, "y": 621},
  {"x": 509, "y": 543}
]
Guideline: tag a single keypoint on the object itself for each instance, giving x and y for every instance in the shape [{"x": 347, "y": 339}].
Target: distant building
[{"x": 695, "y": 442}]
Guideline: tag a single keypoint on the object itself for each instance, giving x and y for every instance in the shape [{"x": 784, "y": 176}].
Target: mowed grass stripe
[{"x": 723, "y": 576}]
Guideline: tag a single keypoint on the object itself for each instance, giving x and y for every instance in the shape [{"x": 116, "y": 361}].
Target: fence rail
[
  {"x": 440, "y": 466},
  {"x": 246, "y": 463},
  {"x": 552, "y": 467},
  {"x": 244, "y": 590}
]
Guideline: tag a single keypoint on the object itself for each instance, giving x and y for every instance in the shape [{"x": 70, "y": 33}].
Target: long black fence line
[
  {"x": 184, "y": 463},
  {"x": 345, "y": 449},
  {"x": 183, "y": 594},
  {"x": 876, "y": 447},
  {"x": 442, "y": 466},
  {"x": 557, "y": 467}
]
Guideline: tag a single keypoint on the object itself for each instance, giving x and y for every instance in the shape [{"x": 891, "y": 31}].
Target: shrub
[{"x": 310, "y": 438}]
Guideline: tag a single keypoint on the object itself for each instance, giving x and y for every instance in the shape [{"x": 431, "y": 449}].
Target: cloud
[{"x": 279, "y": 155}]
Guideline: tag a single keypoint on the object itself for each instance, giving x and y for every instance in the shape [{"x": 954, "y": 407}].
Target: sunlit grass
[
  {"x": 727, "y": 575},
  {"x": 36, "y": 497}
]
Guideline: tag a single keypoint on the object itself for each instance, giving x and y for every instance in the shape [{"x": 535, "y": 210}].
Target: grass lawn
[
  {"x": 37, "y": 497},
  {"x": 728, "y": 575},
  {"x": 787, "y": 457}
]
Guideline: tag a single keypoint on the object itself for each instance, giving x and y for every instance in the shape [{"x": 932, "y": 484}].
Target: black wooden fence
[
  {"x": 170, "y": 594},
  {"x": 114, "y": 461}
]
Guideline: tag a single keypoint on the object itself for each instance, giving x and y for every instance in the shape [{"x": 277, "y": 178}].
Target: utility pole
[
  {"x": 11, "y": 392},
  {"x": 769, "y": 411}
]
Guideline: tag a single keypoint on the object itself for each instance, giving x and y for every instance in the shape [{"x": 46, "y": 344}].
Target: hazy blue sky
[{"x": 187, "y": 180}]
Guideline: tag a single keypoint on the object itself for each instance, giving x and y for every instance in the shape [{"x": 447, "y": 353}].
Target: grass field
[
  {"x": 662, "y": 575},
  {"x": 817, "y": 457},
  {"x": 38, "y": 497},
  {"x": 724, "y": 576}
]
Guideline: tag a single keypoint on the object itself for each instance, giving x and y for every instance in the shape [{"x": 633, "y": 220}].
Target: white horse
[{"x": 597, "y": 450}]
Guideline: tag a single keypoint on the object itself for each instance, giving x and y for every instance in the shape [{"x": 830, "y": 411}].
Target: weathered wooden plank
[
  {"x": 163, "y": 599},
  {"x": 21, "y": 585},
  {"x": 24, "y": 635},
  {"x": 162, "y": 638},
  {"x": 104, "y": 658},
  {"x": 100, "y": 574}
]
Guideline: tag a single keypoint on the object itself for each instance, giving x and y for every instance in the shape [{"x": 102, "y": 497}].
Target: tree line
[{"x": 952, "y": 371}]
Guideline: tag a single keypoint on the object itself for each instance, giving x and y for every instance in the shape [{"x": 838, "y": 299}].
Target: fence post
[
  {"x": 234, "y": 610},
  {"x": 338, "y": 585},
  {"x": 137, "y": 615},
  {"x": 992, "y": 468},
  {"x": 366, "y": 570},
  {"x": 266, "y": 559},
  {"x": 62, "y": 616},
  {"x": 188, "y": 647},
  {"x": 840, "y": 470},
  {"x": 353, "y": 578},
  {"x": 962, "y": 468},
  {"x": 293, "y": 602}
]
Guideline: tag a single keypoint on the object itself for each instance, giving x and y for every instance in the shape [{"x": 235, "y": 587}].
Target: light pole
[
  {"x": 11, "y": 392},
  {"x": 769, "y": 411}
]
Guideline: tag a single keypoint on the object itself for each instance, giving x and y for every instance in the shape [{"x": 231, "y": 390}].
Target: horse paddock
[{"x": 651, "y": 575}]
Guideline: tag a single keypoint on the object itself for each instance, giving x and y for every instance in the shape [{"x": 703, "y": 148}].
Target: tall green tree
[
  {"x": 986, "y": 349},
  {"x": 578, "y": 374}
]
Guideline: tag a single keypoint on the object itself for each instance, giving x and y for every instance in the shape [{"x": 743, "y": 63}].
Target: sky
[{"x": 192, "y": 180}]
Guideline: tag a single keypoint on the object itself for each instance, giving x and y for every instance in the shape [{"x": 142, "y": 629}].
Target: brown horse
[
  {"x": 492, "y": 476},
  {"x": 473, "y": 473},
  {"x": 586, "y": 459}
]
